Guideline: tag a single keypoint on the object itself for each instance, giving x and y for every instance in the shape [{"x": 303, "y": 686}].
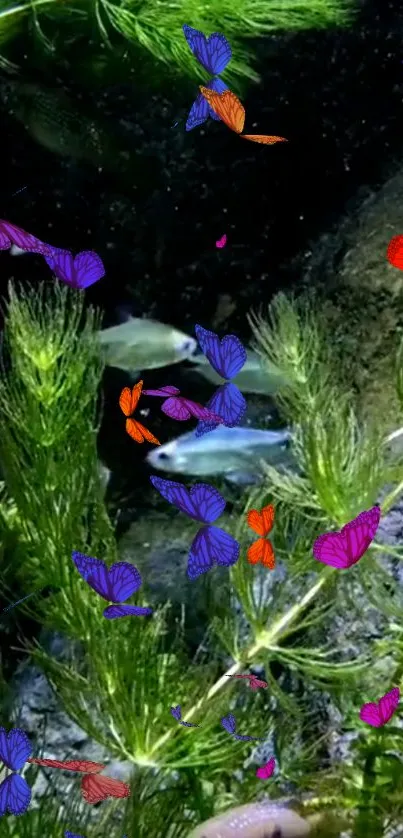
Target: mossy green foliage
[
  {"x": 154, "y": 29},
  {"x": 119, "y": 679}
]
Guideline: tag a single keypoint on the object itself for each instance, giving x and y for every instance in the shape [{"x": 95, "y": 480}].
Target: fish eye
[
  {"x": 163, "y": 456},
  {"x": 188, "y": 346}
]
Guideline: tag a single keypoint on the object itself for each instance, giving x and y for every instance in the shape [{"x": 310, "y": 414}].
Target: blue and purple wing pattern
[
  {"x": 211, "y": 546},
  {"x": 198, "y": 113},
  {"x": 15, "y": 748},
  {"x": 15, "y": 795},
  {"x": 219, "y": 87}
]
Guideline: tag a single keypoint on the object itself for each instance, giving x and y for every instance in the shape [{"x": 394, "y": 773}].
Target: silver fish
[
  {"x": 234, "y": 453},
  {"x": 142, "y": 344},
  {"x": 256, "y": 376},
  {"x": 255, "y": 820}
]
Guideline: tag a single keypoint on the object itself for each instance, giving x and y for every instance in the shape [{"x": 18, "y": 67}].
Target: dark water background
[{"x": 337, "y": 97}]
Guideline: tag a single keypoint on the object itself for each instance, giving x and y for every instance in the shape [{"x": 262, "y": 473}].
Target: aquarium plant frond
[{"x": 154, "y": 29}]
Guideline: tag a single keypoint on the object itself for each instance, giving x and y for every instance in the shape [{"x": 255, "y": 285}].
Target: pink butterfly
[
  {"x": 179, "y": 408},
  {"x": 265, "y": 771},
  {"x": 379, "y": 713},
  {"x": 345, "y": 548},
  {"x": 254, "y": 682},
  {"x": 221, "y": 242}
]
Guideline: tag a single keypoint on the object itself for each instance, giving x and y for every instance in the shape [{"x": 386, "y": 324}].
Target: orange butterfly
[
  {"x": 128, "y": 401},
  {"x": 228, "y": 107},
  {"x": 261, "y": 550}
]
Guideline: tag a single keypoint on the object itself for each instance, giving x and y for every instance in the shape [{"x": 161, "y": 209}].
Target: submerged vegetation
[
  {"x": 153, "y": 30},
  {"x": 317, "y": 633}
]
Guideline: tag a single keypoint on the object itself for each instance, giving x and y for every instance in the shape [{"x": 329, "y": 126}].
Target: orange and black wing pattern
[
  {"x": 261, "y": 551},
  {"x": 227, "y": 106},
  {"x": 128, "y": 401}
]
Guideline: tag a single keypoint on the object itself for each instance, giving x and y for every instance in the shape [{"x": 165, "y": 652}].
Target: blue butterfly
[
  {"x": 75, "y": 835},
  {"x": 115, "y": 584},
  {"x": 205, "y": 504},
  {"x": 227, "y": 357},
  {"x": 229, "y": 724},
  {"x": 176, "y": 712},
  {"x": 15, "y": 793},
  {"x": 213, "y": 53}
]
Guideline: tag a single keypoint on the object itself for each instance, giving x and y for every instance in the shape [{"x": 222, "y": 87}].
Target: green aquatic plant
[
  {"x": 154, "y": 29},
  {"x": 117, "y": 680}
]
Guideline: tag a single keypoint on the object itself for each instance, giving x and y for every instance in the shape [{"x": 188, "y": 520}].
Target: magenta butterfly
[
  {"x": 180, "y": 408},
  {"x": 345, "y": 548},
  {"x": 254, "y": 682},
  {"x": 379, "y": 713},
  {"x": 266, "y": 771}
]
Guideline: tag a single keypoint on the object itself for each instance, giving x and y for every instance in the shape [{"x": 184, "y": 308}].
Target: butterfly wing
[
  {"x": 388, "y": 704},
  {"x": 209, "y": 547},
  {"x": 229, "y": 723},
  {"x": 330, "y": 549},
  {"x": 139, "y": 432},
  {"x": 15, "y": 795},
  {"x": 128, "y": 399},
  {"x": 113, "y": 612},
  {"x": 124, "y": 580},
  {"x": 227, "y": 106},
  {"x": 95, "y": 573},
  {"x": 228, "y": 403},
  {"x": 10, "y": 234},
  {"x": 262, "y": 551},
  {"x": 213, "y": 53},
  {"x": 394, "y": 253},
  {"x": 95, "y": 789},
  {"x": 198, "y": 113},
  {"x": 264, "y": 139},
  {"x": 370, "y": 714},
  {"x": 88, "y": 269},
  {"x": 266, "y": 771},
  {"x": 15, "y": 748},
  {"x": 358, "y": 534},
  {"x": 176, "y": 712},
  {"x": 84, "y": 766},
  {"x": 176, "y": 408},
  {"x": 68, "y": 834},
  {"x": 246, "y": 738},
  {"x": 203, "y": 502},
  {"x": 168, "y": 390},
  {"x": 219, "y": 87},
  {"x": 227, "y": 357},
  {"x": 261, "y": 522}
]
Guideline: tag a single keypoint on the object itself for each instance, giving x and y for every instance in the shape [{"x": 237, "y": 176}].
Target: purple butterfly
[
  {"x": 213, "y": 53},
  {"x": 177, "y": 407},
  {"x": 205, "y": 504},
  {"x": 227, "y": 357},
  {"x": 15, "y": 793},
  {"x": 80, "y": 271},
  {"x": 115, "y": 584},
  {"x": 11, "y": 234},
  {"x": 229, "y": 724},
  {"x": 176, "y": 712}
]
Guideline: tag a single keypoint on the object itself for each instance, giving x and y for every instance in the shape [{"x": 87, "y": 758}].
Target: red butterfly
[
  {"x": 95, "y": 789},
  {"x": 262, "y": 523},
  {"x": 85, "y": 766},
  {"x": 254, "y": 682}
]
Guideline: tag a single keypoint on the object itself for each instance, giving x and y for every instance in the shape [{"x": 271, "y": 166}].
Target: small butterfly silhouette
[
  {"x": 261, "y": 523},
  {"x": 128, "y": 401},
  {"x": 254, "y": 682},
  {"x": 227, "y": 357},
  {"x": 229, "y": 724},
  {"x": 115, "y": 584},
  {"x": 221, "y": 242},
  {"x": 394, "y": 253},
  {"x": 176, "y": 712}
]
